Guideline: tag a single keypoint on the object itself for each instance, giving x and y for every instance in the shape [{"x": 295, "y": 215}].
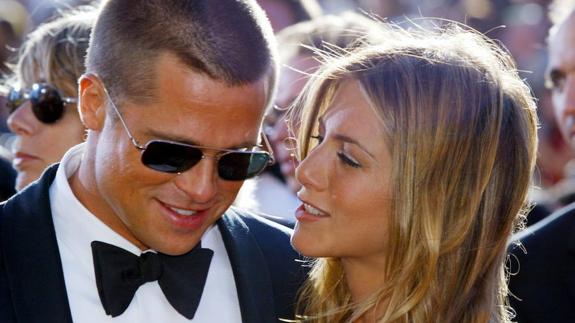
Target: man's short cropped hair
[{"x": 228, "y": 40}]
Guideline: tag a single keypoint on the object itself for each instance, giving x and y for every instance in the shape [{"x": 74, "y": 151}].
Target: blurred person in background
[
  {"x": 6, "y": 43},
  {"x": 43, "y": 90},
  {"x": 416, "y": 161},
  {"x": 41, "y": 11},
  {"x": 7, "y": 175},
  {"x": 300, "y": 49},
  {"x": 13, "y": 24},
  {"x": 542, "y": 262},
  {"x": 274, "y": 197},
  {"x": 389, "y": 9},
  {"x": 284, "y": 13}
]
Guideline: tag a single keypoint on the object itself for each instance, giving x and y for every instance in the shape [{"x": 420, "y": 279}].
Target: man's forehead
[
  {"x": 565, "y": 30},
  {"x": 562, "y": 45}
]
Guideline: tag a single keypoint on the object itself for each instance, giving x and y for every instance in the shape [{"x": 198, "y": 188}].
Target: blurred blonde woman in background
[
  {"x": 42, "y": 93},
  {"x": 417, "y": 157}
]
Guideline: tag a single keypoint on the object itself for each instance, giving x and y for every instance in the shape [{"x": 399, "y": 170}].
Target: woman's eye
[{"x": 348, "y": 160}]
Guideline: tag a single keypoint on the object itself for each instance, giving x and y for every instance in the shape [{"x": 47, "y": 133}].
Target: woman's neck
[{"x": 364, "y": 278}]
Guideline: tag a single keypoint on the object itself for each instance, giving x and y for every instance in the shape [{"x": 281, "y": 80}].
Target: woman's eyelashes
[
  {"x": 345, "y": 158},
  {"x": 348, "y": 160}
]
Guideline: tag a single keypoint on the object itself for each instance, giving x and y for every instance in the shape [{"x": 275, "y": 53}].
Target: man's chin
[{"x": 176, "y": 250}]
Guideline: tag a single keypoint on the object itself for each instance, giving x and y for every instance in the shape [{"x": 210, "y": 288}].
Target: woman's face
[
  {"x": 39, "y": 145},
  {"x": 346, "y": 183}
]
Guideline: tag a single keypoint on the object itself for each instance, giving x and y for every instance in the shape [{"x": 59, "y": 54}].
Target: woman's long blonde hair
[{"x": 461, "y": 128}]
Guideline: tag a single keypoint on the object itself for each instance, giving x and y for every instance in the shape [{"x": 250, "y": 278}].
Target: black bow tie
[{"x": 119, "y": 273}]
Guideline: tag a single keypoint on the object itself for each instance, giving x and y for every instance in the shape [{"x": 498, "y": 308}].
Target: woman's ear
[{"x": 92, "y": 102}]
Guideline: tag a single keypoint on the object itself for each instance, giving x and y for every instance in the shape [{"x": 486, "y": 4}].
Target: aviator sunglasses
[
  {"x": 174, "y": 157},
  {"x": 47, "y": 103}
]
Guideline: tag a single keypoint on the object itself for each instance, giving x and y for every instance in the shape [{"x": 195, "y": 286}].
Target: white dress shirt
[{"x": 76, "y": 228}]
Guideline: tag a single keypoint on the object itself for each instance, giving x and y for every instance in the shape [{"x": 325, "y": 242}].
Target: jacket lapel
[
  {"x": 253, "y": 281},
  {"x": 570, "y": 261},
  {"x": 31, "y": 255}
]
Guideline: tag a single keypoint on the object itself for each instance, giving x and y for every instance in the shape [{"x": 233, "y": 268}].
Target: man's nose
[{"x": 200, "y": 181}]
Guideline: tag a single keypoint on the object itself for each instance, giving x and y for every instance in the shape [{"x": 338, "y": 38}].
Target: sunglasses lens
[
  {"x": 47, "y": 104},
  {"x": 15, "y": 99},
  {"x": 238, "y": 166},
  {"x": 170, "y": 157}
]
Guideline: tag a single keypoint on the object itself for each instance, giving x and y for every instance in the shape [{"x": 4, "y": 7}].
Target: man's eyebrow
[{"x": 176, "y": 138}]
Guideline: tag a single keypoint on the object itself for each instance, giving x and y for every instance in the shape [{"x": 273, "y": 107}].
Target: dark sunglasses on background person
[
  {"x": 175, "y": 157},
  {"x": 47, "y": 103}
]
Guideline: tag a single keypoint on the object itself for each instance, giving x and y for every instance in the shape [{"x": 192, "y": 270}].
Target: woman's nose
[{"x": 22, "y": 120}]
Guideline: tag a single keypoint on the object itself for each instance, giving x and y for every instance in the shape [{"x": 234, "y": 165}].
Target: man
[
  {"x": 543, "y": 269},
  {"x": 135, "y": 225}
]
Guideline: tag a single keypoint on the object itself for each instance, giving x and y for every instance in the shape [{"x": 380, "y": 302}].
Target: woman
[
  {"x": 416, "y": 161},
  {"x": 42, "y": 97}
]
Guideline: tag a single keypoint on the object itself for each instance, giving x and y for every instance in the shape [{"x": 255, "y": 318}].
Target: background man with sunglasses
[{"x": 135, "y": 225}]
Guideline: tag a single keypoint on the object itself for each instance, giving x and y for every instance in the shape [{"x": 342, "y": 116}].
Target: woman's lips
[
  {"x": 309, "y": 213},
  {"x": 22, "y": 161}
]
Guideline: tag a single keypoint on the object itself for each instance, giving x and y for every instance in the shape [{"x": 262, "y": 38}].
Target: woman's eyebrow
[{"x": 345, "y": 138}]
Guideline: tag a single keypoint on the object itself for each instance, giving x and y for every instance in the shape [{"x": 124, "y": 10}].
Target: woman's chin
[
  {"x": 25, "y": 178},
  {"x": 307, "y": 247}
]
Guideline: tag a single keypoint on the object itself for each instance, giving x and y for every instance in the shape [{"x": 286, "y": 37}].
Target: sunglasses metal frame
[{"x": 217, "y": 157}]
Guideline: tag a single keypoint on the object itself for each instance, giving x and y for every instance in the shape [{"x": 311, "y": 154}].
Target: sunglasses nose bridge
[{"x": 214, "y": 155}]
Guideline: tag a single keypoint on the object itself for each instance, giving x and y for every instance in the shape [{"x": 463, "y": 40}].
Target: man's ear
[{"x": 92, "y": 102}]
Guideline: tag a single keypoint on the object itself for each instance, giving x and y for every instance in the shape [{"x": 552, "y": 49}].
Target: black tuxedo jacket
[
  {"x": 545, "y": 279},
  {"x": 32, "y": 287}
]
